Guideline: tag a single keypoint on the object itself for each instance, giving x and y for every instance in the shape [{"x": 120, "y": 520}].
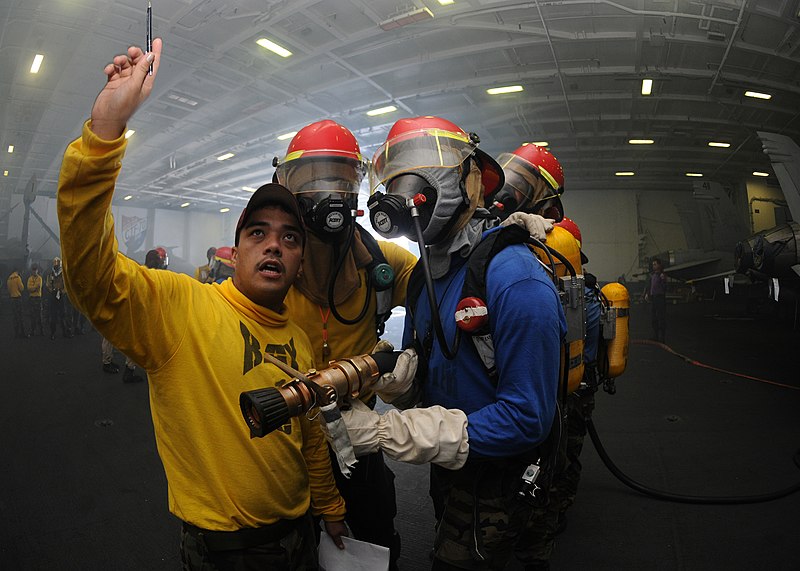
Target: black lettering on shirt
[
  {"x": 287, "y": 352},
  {"x": 252, "y": 349}
]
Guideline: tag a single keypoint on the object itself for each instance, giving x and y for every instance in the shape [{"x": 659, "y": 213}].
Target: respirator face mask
[
  {"x": 422, "y": 172},
  {"x": 327, "y": 191}
]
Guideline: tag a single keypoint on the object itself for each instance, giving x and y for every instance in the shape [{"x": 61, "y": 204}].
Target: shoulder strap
[{"x": 475, "y": 286}]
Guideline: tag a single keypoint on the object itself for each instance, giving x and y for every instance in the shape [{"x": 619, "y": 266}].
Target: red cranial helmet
[
  {"x": 534, "y": 180},
  {"x": 430, "y": 142},
  {"x": 569, "y": 225},
  {"x": 322, "y": 157},
  {"x": 224, "y": 255}
]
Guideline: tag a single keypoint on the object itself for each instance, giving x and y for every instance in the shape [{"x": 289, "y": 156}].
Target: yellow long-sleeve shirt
[
  {"x": 347, "y": 340},
  {"x": 202, "y": 345},
  {"x": 14, "y": 285},
  {"x": 35, "y": 286}
]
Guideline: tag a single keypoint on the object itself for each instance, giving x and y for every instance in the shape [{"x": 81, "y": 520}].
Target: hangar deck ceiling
[{"x": 581, "y": 65}]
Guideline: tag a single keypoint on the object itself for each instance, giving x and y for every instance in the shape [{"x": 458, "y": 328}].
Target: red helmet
[
  {"x": 162, "y": 253},
  {"x": 544, "y": 162},
  {"x": 569, "y": 225},
  {"x": 336, "y": 163},
  {"x": 437, "y": 142},
  {"x": 224, "y": 255}
]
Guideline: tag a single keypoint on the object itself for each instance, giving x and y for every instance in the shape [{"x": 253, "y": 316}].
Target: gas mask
[
  {"x": 444, "y": 199},
  {"x": 327, "y": 191}
]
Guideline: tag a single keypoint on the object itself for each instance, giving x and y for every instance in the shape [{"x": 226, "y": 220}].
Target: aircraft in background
[
  {"x": 712, "y": 224},
  {"x": 773, "y": 255}
]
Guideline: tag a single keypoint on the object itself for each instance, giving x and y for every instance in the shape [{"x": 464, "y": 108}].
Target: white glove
[
  {"x": 336, "y": 433},
  {"x": 434, "y": 434},
  {"x": 390, "y": 386},
  {"x": 537, "y": 226}
]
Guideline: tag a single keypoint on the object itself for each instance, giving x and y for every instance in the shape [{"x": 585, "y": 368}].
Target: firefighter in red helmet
[
  {"x": 348, "y": 285},
  {"x": 488, "y": 406},
  {"x": 534, "y": 182}
]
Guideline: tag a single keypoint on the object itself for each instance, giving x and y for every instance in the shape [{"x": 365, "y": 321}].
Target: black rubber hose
[
  {"x": 340, "y": 258},
  {"x": 448, "y": 353},
  {"x": 679, "y": 498}
]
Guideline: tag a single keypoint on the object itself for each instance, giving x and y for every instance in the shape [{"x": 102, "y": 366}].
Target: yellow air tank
[
  {"x": 562, "y": 241},
  {"x": 616, "y": 346}
]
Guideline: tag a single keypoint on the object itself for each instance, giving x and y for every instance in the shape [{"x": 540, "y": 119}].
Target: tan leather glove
[
  {"x": 397, "y": 383},
  {"x": 419, "y": 435},
  {"x": 537, "y": 226}
]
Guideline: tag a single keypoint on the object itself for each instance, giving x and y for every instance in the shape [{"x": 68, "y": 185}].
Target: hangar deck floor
[{"x": 83, "y": 488}]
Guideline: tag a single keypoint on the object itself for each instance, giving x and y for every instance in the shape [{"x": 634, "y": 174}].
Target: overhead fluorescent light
[
  {"x": 382, "y": 110},
  {"x": 5, "y": 173},
  {"x": 640, "y": 141},
  {"x": 447, "y": 2},
  {"x": 225, "y": 157},
  {"x": 647, "y": 86},
  {"x": 624, "y": 173},
  {"x": 541, "y": 144},
  {"x": 718, "y": 144},
  {"x": 694, "y": 174},
  {"x": 129, "y": 133},
  {"x": 185, "y": 204},
  {"x": 406, "y": 18},
  {"x": 224, "y": 210},
  {"x": 506, "y": 89},
  {"x": 128, "y": 197},
  {"x": 37, "y": 63},
  {"x": 11, "y": 148},
  {"x": 273, "y": 47},
  {"x": 759, "y": 173},
  {"x": 182, "y": 99},
  {"x": 287, "y": 136},
  {"x": 757, "y": 95},
  {"x": 249, "y": 188}
]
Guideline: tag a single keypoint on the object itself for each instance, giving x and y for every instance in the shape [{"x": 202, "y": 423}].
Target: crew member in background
[
  {"x": 656, "y": 293},
  {"x": 337, "y": 301},
  {"x": 34, "y": 286},
  {"x": 15, "y": 289},
  {"x": 223, "y": 267},
  {"x": 243, "y": 503},
  {"x": 481, "y": 427},
  {"x": 57, "y": 295},
  {"x": 163, "y": 258},
  {"x": 203, "y": 273}
]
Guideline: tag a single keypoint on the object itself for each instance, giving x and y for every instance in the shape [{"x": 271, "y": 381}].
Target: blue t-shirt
[{"x": 528, "y": 326}]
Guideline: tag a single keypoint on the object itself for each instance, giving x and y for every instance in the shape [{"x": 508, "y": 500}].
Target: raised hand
[{"x": 128, "y": 85}]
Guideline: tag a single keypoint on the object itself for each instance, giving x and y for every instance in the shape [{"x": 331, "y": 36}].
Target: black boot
[
  {"x": 110, "y": 368},
  {"x": 130, "y": 376}
]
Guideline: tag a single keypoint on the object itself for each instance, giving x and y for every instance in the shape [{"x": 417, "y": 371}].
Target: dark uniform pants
[
  {"x": 296, "y": 551},
  {"x": 536, "y": 544},
  {"x": 483, "y": 514}
]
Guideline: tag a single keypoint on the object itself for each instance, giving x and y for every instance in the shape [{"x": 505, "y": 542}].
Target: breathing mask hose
[
  {"x": 561, "y": 258},
  {"x": 679, "y": 498},
  {"x": 340, "y": 258},
  {"x": 552, "y": 265},
  {"x": 448, "y": 353}
]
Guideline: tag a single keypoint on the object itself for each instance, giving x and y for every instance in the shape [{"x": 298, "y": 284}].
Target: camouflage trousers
[
  {"x": 482, "y": 516},
  {"x": 297, "y": 551},
  {"x": 536, "y": 542}
]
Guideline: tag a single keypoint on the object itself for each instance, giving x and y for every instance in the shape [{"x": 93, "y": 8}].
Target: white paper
[{"x": 356, "y": 555}]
